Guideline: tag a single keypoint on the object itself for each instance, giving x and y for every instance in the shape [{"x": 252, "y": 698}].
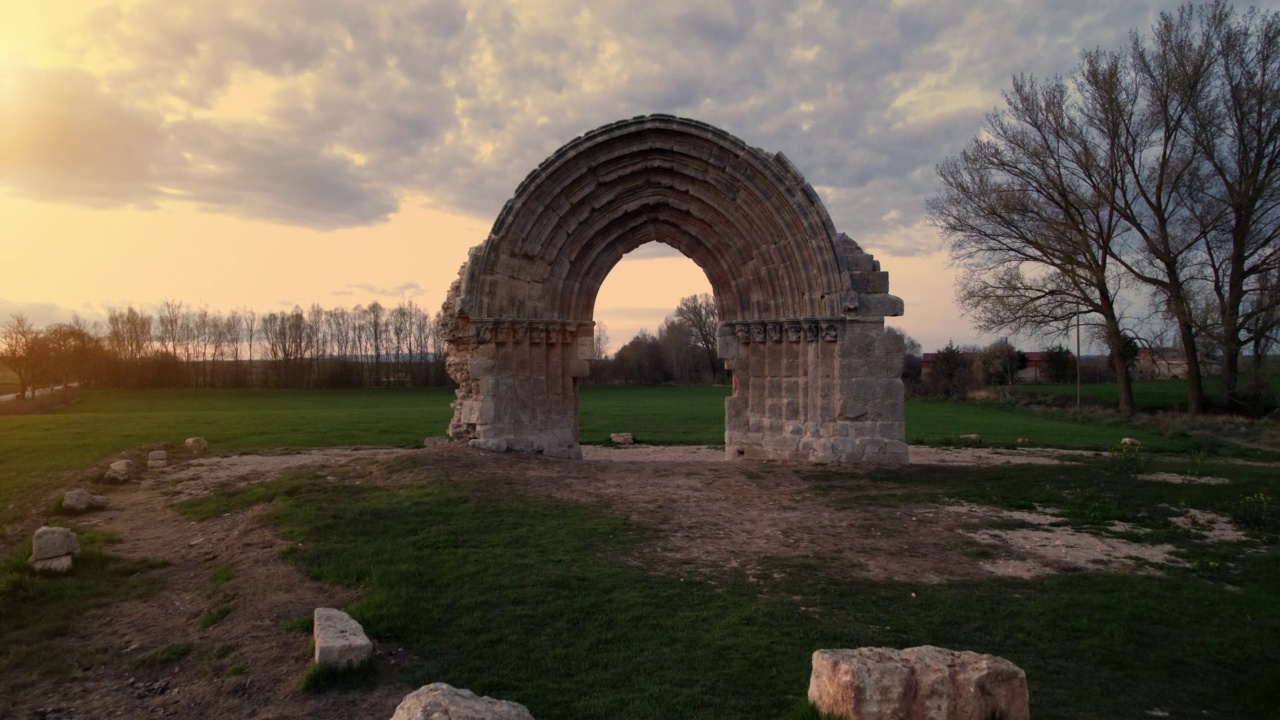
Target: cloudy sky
[{"x": 267, "y": 153}]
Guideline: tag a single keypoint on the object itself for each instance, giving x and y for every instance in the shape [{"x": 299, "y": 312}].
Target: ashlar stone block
[{"x": 340, "y": 640}]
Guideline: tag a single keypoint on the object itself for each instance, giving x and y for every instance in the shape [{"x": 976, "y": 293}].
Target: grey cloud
[
  {"x": 412, "y": 288},
  {"x": 266, "y": 173},
  {"x": 44, "y": 314},
  {"x": 381, "y": 98}
]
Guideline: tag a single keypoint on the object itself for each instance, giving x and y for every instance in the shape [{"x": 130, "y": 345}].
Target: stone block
[
  {"x": 519, "y": 444},
  {"x": 196, "y": 445},
  {"x": 51, "y": 542},
  {"x": 439, "y": 701},
  {"x": 880, "y": 305},
  {"x": 869, "y": 280},
  {"x": 52, "y": 566},
  {"x": 119, "y": 471},
  {"x": 340, "y": 640},
  {"x": 921, "y": 683},
  {"x": 82, "y": 500}
]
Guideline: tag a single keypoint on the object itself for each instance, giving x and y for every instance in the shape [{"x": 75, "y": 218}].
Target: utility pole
[{"x": 1079, "y": 404}]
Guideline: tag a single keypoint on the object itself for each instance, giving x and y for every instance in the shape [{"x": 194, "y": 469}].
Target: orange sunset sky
[{"x": 262, "y": 154}]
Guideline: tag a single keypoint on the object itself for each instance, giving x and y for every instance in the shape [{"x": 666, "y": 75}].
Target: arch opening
[{"x": 815, "y": 377}]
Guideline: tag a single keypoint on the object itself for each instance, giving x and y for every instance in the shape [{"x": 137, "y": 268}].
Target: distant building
[
  {"x": 1036, "y": 370},
  {"x": 1160, "y": 364}
]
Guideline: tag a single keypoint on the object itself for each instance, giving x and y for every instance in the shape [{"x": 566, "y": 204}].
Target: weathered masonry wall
[
  {"x": 824, "y": 390},
  {"x": 802, "y": 306},
  {"x": 518, "y": 384}
]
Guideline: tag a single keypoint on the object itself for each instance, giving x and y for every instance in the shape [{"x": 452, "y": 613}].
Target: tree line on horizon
[
  {"x": 1143, "y": 188},
  {"x": 183, "y": 346}
]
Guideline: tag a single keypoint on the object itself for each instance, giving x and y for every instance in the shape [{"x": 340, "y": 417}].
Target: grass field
[
  {"x": 535, "y": 600},
  {"x": 1148, "y": 395},
  {"x": 32, "y": 447},
  {"x": 543, "y": 601}
]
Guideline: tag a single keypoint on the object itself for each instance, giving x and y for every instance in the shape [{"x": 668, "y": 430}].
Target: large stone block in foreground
[
  {"x": 439, "y": 701},
  {"x": 340, "y": 640},
  {"x": 921, "y": 683}
]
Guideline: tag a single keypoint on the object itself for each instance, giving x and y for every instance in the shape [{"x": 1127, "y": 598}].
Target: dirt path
[{"x": 709, "y": 514}]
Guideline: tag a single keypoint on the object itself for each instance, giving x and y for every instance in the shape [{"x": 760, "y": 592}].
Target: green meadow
[
  {"x": 549, "y": 602},
  {"x": 35, "y": 448}
]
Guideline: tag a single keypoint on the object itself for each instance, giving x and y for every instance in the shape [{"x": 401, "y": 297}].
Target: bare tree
[
  {"x": 377, "y": 338},
  {"x": 682, "y": 357},
  {"x": 129, "y": 338},
  {"x": 398, "y": 324},
  {"x": 1028, "y": 210},
  {"x": 600, "y": 342},
  {"x": 699, "y": 313},
  {"x": 288, "y": 345},
  {"x": 249, "y": 318},
  {"x": 1236, "y": 126},
  {"x": 1139, "y": 102},
  {"x": 24, "y": 350}
]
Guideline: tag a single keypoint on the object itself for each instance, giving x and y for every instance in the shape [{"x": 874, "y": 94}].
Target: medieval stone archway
[{"x": 802, "y": 307}]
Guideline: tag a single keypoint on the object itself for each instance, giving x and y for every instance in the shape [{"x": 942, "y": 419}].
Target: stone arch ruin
[{"x": 815, "y": 376}]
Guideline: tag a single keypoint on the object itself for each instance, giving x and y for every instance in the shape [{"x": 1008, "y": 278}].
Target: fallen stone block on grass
[
  {"x": 118, "y": 472},
  {"x": 920, "y": 683},
  {"x": 1130, "y": 442},
  {"x": 439, "y": 701},
  {"x": 79, "y": 500},
  {"x": 340, "y": 640},
  {"x": 52, "y": 549},
  {"x": 622, "y": 439},
  {"x": 157, "y": 459},
  {"x": 971, "y": 438},
  {"x": 196, "y": 445}
]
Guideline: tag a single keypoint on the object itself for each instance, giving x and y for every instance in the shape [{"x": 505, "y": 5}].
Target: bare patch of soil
[
  {"x": 1213, "y": 526},
  {"x": 246, "y": 665},
  {"x": 1182, "y": 479},
  {"x": 708, "y": 515}
]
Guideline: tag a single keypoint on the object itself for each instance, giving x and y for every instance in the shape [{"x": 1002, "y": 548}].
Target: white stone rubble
[{"x": 439, "y": 701}]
